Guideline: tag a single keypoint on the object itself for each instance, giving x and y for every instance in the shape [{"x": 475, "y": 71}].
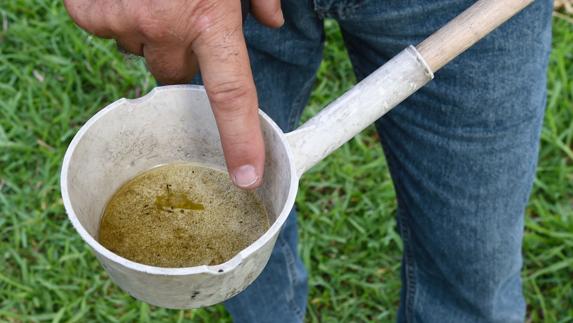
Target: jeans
[{"x": 462, "y": 153}]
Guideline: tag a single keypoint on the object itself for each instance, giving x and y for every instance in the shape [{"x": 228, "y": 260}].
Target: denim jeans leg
[
  {"x": 284, "y": 63},
  {"x": 462, "y": 153}
]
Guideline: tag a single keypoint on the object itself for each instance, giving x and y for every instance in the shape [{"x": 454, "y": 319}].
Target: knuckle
[
  {"x": 203, "y": 17},
  {"x": 228, "y": 95},
  {"x": 159, "y": 21},
  {"x": 210, "y": 20},
  {"x": 150, "y": 27},
  {"x": 151, "y": 30},
  {"x": 117, "y": 27}
]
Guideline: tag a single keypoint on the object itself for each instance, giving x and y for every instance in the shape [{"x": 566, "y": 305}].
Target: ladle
[{"x": 175, "y": 123}]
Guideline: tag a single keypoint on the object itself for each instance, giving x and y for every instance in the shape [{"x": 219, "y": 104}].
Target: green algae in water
[{"x": 181, "y": 215}]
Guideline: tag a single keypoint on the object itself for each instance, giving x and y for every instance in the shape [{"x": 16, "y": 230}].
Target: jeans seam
[
  {"x": 409, "y": 261},
  {"x": 296, "y": 110},
  {"x": 290, "y": 261},
  {"x": 409, "y": 269}
]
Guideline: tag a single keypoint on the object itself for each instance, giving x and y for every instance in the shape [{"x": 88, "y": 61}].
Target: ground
[{"x": 53, "y": 77}]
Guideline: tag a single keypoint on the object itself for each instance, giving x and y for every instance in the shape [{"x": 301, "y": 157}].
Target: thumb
[
  {"x": 226, "y": 73},
  {"x": 268, "y": 12}
]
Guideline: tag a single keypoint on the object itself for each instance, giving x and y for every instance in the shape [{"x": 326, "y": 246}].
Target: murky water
[{"x": 181, "y": 215}]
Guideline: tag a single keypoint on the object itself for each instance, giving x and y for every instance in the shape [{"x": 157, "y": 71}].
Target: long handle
[
  {"x": 394, "y": 82},
  {"x": 466, "y": 29}
]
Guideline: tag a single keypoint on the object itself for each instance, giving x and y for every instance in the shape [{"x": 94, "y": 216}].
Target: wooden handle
[{"x": 466, "y": 29}]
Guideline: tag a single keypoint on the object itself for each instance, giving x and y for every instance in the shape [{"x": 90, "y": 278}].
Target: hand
[{"x": 174, "y": 36}]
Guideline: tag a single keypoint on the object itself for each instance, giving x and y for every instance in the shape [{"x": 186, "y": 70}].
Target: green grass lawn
[{"x": 53, "y": 77}]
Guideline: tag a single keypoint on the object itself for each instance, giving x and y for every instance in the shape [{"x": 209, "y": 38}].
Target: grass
[{"x": 53, "y": 77}]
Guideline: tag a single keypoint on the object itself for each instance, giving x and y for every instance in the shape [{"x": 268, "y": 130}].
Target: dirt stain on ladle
[{"x": 181, "y": 215}]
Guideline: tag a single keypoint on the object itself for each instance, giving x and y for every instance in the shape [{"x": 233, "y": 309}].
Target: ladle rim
[{"x": 219, "y": 269}]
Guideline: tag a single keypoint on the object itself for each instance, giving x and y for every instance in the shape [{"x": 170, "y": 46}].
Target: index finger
[{"x": 225, "y": 69}]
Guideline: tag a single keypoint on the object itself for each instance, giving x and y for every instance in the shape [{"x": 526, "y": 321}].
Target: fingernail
[{"x": 245, "y": 176}]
